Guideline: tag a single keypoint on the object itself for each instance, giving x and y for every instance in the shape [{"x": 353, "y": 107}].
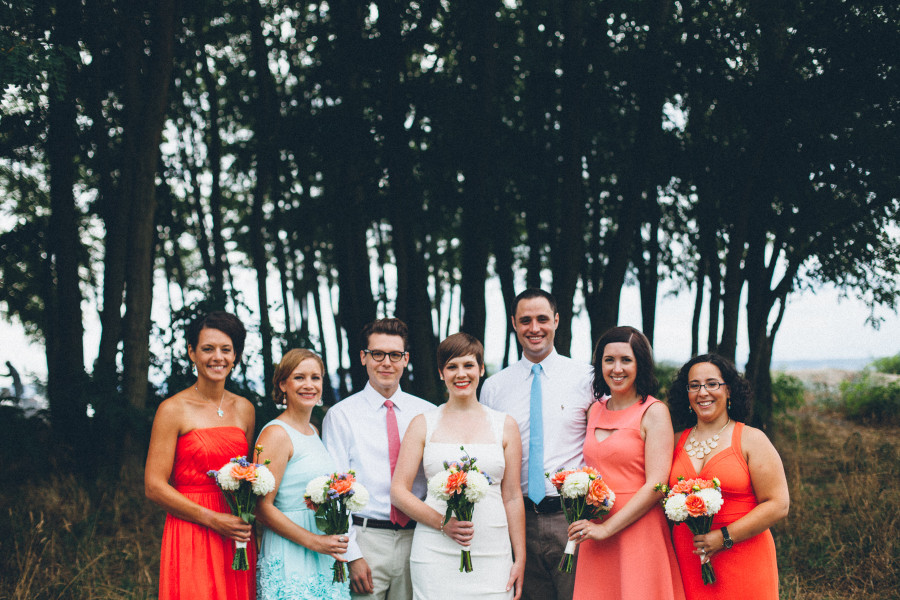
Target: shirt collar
[
  {"x": 547, "y": 365},
  {"x": 376, "y": 400}
]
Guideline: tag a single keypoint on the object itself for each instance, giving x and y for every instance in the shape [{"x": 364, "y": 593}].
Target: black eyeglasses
[
  {"x": 378, "y": 355},
  {"x": 711, "y": 386}
]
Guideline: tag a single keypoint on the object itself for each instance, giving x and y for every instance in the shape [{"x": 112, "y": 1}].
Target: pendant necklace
[
  {"x": 219, "y": 410},
  {"x": 697, "y": 449}
]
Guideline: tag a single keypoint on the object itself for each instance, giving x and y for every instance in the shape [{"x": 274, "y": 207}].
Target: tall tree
[{"x": 147, "y": 45}]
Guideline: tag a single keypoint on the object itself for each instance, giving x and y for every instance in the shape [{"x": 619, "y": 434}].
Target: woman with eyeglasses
[
  {"x": 711, "y": 399},
  {"x": 628, "y": 554}
]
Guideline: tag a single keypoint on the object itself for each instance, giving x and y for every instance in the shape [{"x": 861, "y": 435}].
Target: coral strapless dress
[{"x": 196, "y": 561}]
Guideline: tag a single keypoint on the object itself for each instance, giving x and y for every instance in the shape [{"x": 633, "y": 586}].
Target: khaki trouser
[{"x": 387, "y": 554}]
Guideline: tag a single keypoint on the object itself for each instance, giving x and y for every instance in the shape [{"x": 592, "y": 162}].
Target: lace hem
[{"x": 272, "y": 584}]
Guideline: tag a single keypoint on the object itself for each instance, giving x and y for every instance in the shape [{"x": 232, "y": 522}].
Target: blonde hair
[{"x": 288, "y": 363}]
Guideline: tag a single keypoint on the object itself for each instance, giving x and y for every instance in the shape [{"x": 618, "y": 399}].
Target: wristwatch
[{"x": 726, "y": 539}]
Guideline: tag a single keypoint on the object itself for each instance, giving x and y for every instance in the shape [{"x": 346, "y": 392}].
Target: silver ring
[{"x": 342, "y": 539}]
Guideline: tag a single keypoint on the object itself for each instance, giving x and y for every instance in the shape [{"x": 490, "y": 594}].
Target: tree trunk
[
  {"x": 648, "y": 274},
  {"x": 65, "y": 337},
  {"x": 268, "y": 117},
  {"x": 147, "y": 78},
  {"x": 214, "y": 159},
  {"x": 568, "y": 247}
]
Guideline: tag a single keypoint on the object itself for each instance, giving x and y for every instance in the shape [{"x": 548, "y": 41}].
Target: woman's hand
[
  {"x": 333, "y": 545},
  {"x": 516, "y": 578},
  {"x": 587, "y": 530},
  {"x": 229, "y": 526},
  {"x": 708, "y": 545},
  {"x": 460, "y": 532}
]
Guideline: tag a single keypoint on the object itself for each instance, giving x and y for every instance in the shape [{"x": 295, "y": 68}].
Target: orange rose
[
  {"x": 598, "y": 492},
  {"x": 341, "y": 486},
  {"x": 559, "y": 477},
  {"x": 591, "y": 471},
  {"x": 695, "y": 505},
  {"x": 455, "y": 482},
  {"x": 682, "y": 487},
  {"x": 247, "y": 473}
]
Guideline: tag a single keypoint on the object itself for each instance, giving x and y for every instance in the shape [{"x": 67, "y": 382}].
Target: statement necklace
[
  {"x": 697, "y": 449},
  {"x": 219, "y": 410}
]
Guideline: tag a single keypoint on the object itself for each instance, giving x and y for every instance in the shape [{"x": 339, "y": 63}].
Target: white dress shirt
[
  {"x": 355, "y": 433},
  {"x": 566, "y": 395}
]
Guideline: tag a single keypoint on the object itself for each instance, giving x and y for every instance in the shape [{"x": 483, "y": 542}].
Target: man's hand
[{"x": 361, "y": 577}]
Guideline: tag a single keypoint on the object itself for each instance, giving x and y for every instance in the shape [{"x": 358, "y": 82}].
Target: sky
[{"x": 819, "y": 329}]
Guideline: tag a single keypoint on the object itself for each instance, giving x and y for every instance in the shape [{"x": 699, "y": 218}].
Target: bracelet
[{"x": 442, "y": 526}]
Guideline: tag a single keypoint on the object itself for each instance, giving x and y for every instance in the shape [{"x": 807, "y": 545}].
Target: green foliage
[
  {"x": 887, "y": 364},
  {"x": 788, "y": 391},
  {"x": 869, "y": 400},
  {"x": 665, "y": 374}
]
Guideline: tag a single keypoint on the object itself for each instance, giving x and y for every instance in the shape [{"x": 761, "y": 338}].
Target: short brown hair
[
  {"x": 287, "y": 365},
  {"x": 388, "y": 326},
  {"x": 459, "y": 344},
  {"x": 225, "y": 322},
  {"x": 530, "y": 293}
]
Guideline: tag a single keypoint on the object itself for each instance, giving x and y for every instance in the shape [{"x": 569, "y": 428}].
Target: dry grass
[
  {"x": 54, "y": 546},
  {"x": 839, "y": 542}
]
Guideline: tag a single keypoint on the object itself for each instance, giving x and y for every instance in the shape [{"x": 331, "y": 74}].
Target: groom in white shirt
[
  {"x": 363, "y": 433},
  {"x": 559, "y": 390}
]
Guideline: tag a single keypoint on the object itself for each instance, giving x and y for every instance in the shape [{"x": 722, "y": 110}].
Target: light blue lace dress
[{"x": 289, "y": 571}]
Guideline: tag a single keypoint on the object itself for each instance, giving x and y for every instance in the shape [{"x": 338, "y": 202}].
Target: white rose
[
  {"x": 359, "y": 498},
  {"x": 476, "y": 486},
  {"x": 576, "y": 485},
  {"x": 675, "y": 508},
  {"x": 437, "y": 485},
  {"x": 225, "y": 479},
  {"x": 265, "y": 481},
  {"x": 713, "y": 499},
  {"x": 316, "y": 489}
]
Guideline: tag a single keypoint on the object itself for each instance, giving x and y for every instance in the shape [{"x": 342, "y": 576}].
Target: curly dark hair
[
  {"x": 645, "y": 382},
  {"x": 739, "y": 390}
]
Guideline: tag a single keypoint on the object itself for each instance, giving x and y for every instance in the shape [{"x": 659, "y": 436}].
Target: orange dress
[
  {"x": 196, "y": 561},
  {"x": 638, "y": 562},
  {"x": 748, "y": 571}
]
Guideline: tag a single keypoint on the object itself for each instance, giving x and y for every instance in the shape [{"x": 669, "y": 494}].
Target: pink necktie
[{"x": 393, "y": 435}]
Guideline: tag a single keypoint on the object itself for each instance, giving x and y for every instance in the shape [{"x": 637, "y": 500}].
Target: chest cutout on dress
[{"x": 601, "y": 435}]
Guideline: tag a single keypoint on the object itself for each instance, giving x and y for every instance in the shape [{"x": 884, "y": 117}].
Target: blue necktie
[{"x": 536, "y": 440}]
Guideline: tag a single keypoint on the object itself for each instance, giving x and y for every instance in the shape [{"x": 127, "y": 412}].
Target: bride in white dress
[{"x": 496, "y": 533}]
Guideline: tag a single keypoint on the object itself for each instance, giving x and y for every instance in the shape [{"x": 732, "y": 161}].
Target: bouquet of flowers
[
  {"x": 461, "y": 485},
  {"x": 694, "y": 502},
  {"x": 583, "y": 495},
  {"x": 333, "y": 497},
  {"x": 243, "y": 482}
]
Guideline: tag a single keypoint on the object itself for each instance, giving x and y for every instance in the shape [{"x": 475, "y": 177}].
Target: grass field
[{"x": 838, "y": 543}]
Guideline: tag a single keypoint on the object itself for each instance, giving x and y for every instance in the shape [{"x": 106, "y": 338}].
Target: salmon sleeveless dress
[
  {"x": 637, "y": 563},
  {"x": 196, "y": 561},
  {"x": 746, "y": 572}
]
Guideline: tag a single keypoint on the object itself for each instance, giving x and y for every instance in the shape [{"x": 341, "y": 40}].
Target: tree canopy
[{"x": 582, "y": 146}]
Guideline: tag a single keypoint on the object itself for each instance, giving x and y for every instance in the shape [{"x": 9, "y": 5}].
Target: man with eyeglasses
[{"x": 363, "y": 433}]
